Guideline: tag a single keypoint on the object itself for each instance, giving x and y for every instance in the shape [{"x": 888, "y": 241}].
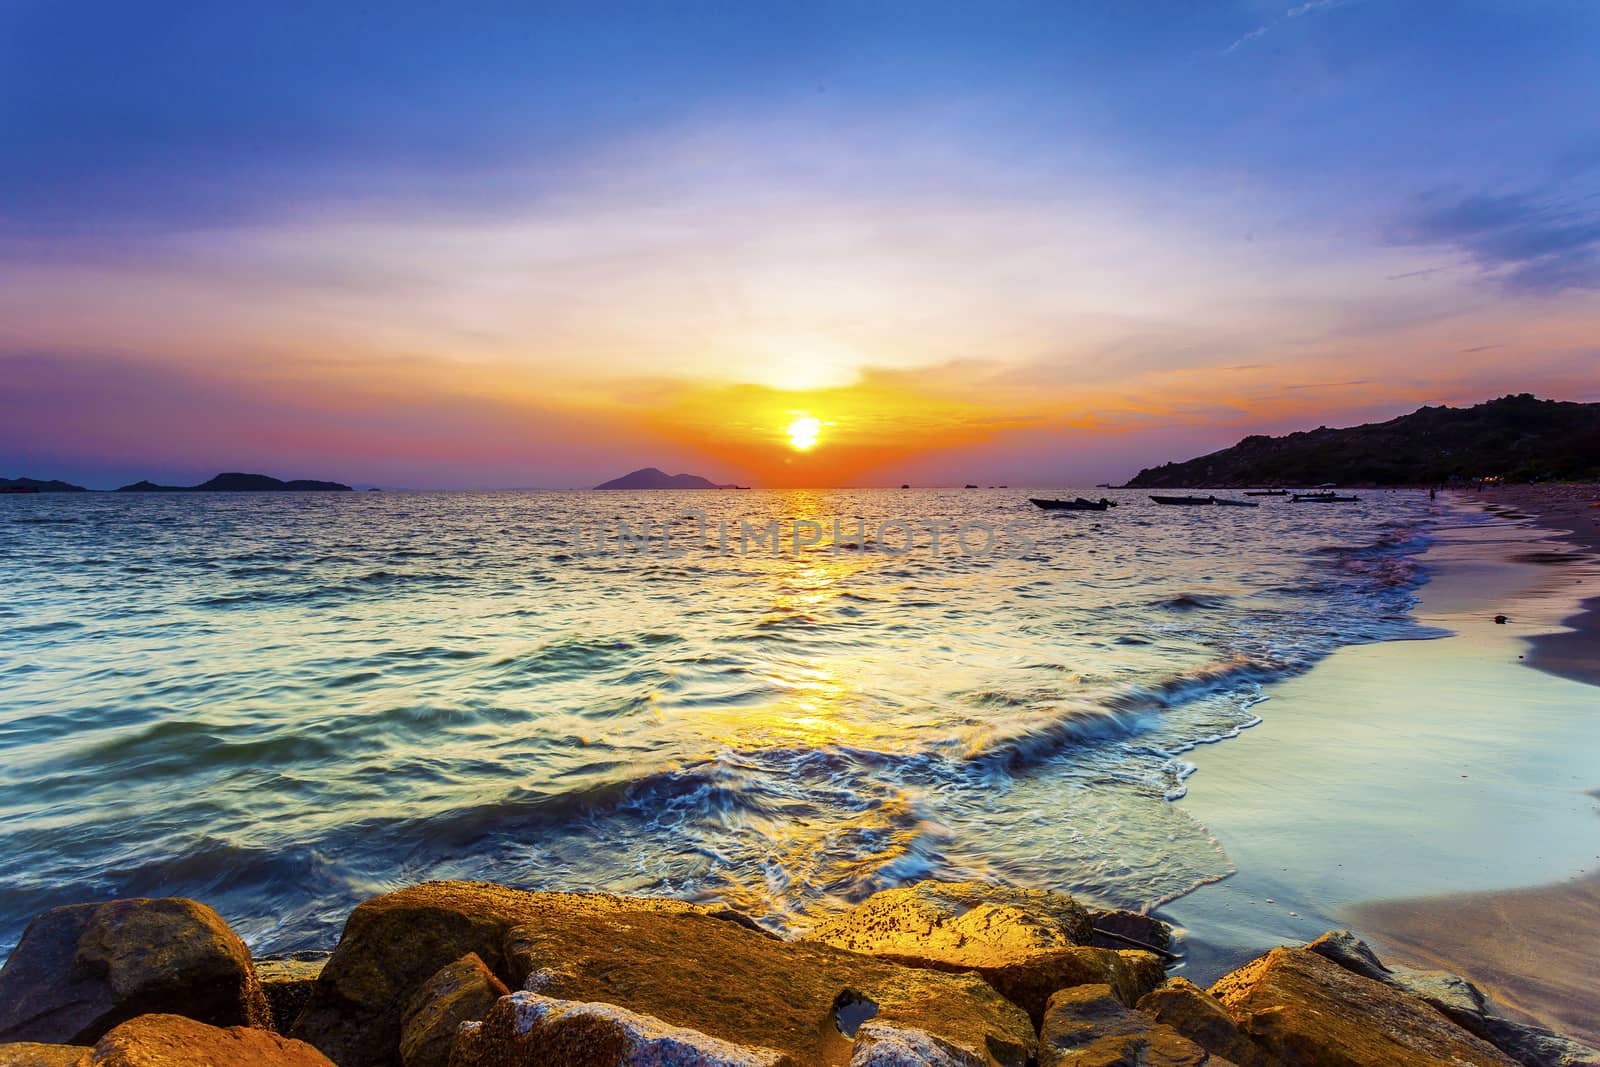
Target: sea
[{"x": 285, "y": 703}]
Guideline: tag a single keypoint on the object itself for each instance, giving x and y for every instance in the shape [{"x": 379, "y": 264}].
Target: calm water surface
[{"x": 284, "y": 703}]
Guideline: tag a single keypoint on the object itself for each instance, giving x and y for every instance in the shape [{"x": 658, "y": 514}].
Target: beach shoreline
[
  {"x": 1411, "y": 789},
  {"x": 1533, "y": 948},
  {"x": 1574, "y": 512}
]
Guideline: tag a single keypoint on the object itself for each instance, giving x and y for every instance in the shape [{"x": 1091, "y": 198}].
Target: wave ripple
[{"x": 286, "y": 703}]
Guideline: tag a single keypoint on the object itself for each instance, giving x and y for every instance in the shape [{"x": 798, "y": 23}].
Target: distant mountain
[
  {"x": 240, "y": 483},
  {"x": 34, "y": 485},
  {"x": 1519, "y": 438},
  {"x": 651, "y": 478}
]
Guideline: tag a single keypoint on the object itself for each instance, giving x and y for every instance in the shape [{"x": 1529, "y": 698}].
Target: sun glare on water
[{"x": 803, "y": 432}]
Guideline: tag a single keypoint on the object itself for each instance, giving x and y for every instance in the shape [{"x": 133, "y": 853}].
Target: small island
[
  {"x": 655, "y": 478},
  {"x": 36, "y": 485},
  {"x": 241, "y": 483}
]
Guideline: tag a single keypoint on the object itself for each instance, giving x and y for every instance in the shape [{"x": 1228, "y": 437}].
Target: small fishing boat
[
  {"x": 1266, "y": 492},
  {"x": 1323, "y": 498},
  {"x": 1223, "y": 502},
  {"x": 1184, "y": 499},
  {"x": 1079, "y": 504}
]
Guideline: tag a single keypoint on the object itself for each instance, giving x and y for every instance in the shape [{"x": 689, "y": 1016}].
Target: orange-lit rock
[
  {"x": 1309, "y": 1011},
  {"x": 683, "y": 965},
  {"x": 174, "y": 1041}
]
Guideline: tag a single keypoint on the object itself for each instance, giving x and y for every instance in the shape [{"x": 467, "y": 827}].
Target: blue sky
[{"x": 1082, "y": 235}]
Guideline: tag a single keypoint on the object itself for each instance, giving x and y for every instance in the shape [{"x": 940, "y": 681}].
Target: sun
[{"x": 803, "y": 432}]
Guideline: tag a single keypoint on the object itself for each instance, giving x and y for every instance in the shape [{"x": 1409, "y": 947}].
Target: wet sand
[
  {"x": 1574, "y": 652},
  {"x": 1575, "y": 511},
  {"x": 1413, "y": 790},
  {"x": 1536, "y": 950}
]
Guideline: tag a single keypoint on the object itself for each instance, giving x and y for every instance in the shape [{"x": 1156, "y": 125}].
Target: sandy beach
[
  {"x": 1432, "y": 795},
  {"x": 1535, "y": 948}
]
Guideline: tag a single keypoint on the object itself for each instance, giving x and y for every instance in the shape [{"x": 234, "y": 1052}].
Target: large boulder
[
  {"x": 529, "y": 1030},
  {"x": 687, "y": 966},
  {"x": 1201, "y": 1018},
  {"x": 954, "y": 921},
  {"x": 174, "y": 1041},
  {"x": 459, "y": 992},
  {"x": 81, "y": 969},
  {"x": 1026, "y": 943},
  {"x": 1309, "y": 1011},
  {"x": 1463, "y": 1002},
  {"x": 39, "y": 1054},
  {"x": 286, "y": 981},
  {"x": 1088, "y": 1026},
  {"x": 392, "y": 944}
]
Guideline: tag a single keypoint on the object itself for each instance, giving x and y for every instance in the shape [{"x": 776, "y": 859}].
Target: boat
[
  {"x": 1323, "y": 498},
  {"x": 1266, "y": 492},
  {"x": 1079, "y": 504},
  {"x": 1224, "y": 502},
  {"x": 1184, "y": 499}
]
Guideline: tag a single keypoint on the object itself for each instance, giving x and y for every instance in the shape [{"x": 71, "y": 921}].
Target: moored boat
[
  {"x": 1183, "y": 499},
  {"x": 1266, "y": 492},
  {"x": 1080, "y": 504},
  {"x": 1224, "y": 502}
]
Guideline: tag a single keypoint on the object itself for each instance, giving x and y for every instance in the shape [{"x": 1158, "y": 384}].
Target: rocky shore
[{"x": 469, "y": 974}]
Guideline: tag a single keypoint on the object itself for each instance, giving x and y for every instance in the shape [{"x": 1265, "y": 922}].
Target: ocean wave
[
  {"x": 200, "y": 745},
  {"x": 1194, "y": 602},
  {"x": 294, "y": 712}
]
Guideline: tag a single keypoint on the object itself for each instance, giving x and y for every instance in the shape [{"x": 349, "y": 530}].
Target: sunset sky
[{"x": 522, "y": 244}]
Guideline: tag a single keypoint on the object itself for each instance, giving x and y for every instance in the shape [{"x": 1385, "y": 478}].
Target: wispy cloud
[
  {"x": 1423, "y": 273},
  {"x": 1259, "y": 31},
  {"x": 1310, "y": 7},
  {"x": 1529, "y": 243},
  {"x": 1332, "y": 385}
]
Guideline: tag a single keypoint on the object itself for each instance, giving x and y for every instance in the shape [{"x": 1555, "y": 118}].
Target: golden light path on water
[{"x": 285, "y": 703}]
